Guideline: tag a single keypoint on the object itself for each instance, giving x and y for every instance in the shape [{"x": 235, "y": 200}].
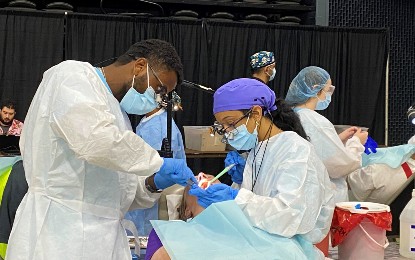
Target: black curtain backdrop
[
  {"x": 97, "y": 38},
  {"x": 357, "y": 69},
  {"x": 189, "y": 39},
  {"x": 30, "y": 43},
  {"x": 212, "y": 53},
  {"x": 355, "y": 58}
]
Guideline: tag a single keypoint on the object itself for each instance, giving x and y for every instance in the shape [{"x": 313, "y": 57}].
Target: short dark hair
[
  {"x": 159, "y": 53},
  {"x": 9, "y": 104},
  {"x": 256, "y": 70}
]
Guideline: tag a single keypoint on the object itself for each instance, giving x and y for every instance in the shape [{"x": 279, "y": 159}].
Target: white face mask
[
  {"x": 139, "y": 104},
  {"x": 272, "y": 76}
]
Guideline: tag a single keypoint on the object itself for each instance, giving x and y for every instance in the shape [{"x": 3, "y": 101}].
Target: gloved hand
[
  {"x": 370, "y": 145},
  {"x": 214, "y": 193},
  {"x": 237, "y": 171},
  {"x": 173, "y": 171}
]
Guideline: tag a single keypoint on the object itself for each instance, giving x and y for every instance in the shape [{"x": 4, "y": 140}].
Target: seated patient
[
  {"x": 189, "y": 208},
  {"x": 222, "y": 231}
]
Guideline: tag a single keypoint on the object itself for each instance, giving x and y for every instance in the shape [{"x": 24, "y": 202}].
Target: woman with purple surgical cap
[
  {"x": 311, "y": 90},
  {"x": 285, "y": 188}
]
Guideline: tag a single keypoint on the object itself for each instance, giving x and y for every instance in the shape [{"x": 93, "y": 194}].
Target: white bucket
[{"x": 366, "y": 241}]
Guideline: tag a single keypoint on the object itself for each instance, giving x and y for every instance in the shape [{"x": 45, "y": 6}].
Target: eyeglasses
[
  {"x": 161, "y": 92},
  {"x": 157, "y": 77},
  {"x": 329, "y": 89},
  {"x": 228, "y": 132},
  {"x": 162, "y": 89}
]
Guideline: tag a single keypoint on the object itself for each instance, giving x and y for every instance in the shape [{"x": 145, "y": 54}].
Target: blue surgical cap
[
  {"x": 243, "y": 93},
  {"x": 308, "y": 82}
]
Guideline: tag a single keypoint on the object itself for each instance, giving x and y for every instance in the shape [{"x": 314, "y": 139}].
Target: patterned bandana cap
[
  {"x": 262, "y": 59},
  {"x": 243, "y": 93}
]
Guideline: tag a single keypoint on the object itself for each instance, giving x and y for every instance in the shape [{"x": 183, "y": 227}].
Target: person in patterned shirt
[{"x": 9, "y": 125}]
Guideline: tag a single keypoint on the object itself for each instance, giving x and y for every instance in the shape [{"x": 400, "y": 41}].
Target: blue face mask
[
  {"x": 243, "y": 140},
  {"x": 321, "y": 105},
  {"x": 139, "y": 104}
]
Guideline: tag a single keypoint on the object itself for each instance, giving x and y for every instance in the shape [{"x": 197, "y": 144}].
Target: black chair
[
  {"x": 289, "y": 20},
  {"x": 21, "y": 5},
  {"x": 285, "y": 2},
  {"x": 59, "y": 7},
  {"x": 222, "y": 16},
  {"x": 185, "y": 15},
  {"x": 141, "y": 8},
  {"x": 255, "y": 18},
  {"x": 255, "y": 1}
]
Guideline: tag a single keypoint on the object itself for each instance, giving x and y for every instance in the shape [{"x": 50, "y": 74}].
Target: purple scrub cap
[{"x": 243, "y": 93}]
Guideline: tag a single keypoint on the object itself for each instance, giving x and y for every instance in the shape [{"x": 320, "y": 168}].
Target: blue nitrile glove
[
  {"x": 370, "y": 145},
  {"x": 173, "y": 171},
  {"x": 214, "y": 193},
  {"x": 237, "y": 171}
]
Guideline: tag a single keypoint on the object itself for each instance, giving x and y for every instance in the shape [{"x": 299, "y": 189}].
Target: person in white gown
[
  {"x": 311, "y": 90},
  {"x": 84, "y": 165},
  {"x": 285, "y": 188}
]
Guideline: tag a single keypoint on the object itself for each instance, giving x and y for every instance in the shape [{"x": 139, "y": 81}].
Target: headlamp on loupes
[
  {"x": 219, "y": 129},
  {"x": 162, "y": 99},
  {"x": 411, "y": 114}
]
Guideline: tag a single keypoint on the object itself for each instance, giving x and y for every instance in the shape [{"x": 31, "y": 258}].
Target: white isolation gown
[
  {"x": 380, "y": 182},
  {"x": 293, "y": 194},
  {"x": 84, "y": 167},
  {"x": 339, "y": 159}
]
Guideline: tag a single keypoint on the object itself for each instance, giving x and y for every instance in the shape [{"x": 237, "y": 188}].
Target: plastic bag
[{"x": 344, "y": 221}]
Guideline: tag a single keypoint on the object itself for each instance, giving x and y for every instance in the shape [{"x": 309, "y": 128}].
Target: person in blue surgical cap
[
  {"x": 153, "y": 129},
  {"x": 262, "y": 66},
  {"x": 282, "y": 169},
  {"x": 341, "y": 153},
  {"x": 84, "y": 165}
]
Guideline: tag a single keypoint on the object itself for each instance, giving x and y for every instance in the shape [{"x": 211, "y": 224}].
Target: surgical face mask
[
  {"x": 139, "y": 104},
  {"x": 323, "y": 104},
  {"x": 271, "y": 77},
  {"x": 242, "y": 138},
  {"x": 273, "y": 74}
]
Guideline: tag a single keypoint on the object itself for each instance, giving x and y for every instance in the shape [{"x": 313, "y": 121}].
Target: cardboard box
[{"x": 200, "y": 138}]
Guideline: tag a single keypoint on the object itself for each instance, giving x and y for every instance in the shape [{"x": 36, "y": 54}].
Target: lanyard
[{"x": 101, "y": 76}]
